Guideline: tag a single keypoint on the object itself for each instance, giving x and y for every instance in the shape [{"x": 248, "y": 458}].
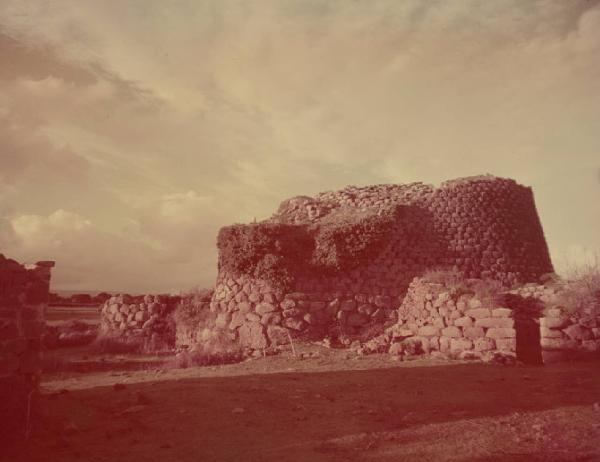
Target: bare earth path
[{"x": 330, "y": 408}]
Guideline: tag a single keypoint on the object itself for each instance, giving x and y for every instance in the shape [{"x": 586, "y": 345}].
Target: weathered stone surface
[
  {"x": 473, "y": 332},
  {"x": 253, "y": 317},
  {"x": 553, "y": 323},
  {"x": 287, "y": 304},
  {"x": 237, "y": 319},
  {"x": 252, "y": 335},
  {"x": 484, "y": 344},
  {"x": 264, "y": 307},
  {"x": 428, "y": 331},
  {"x": 478, "y": 313},
  {"x": 294, "y": 323},
  {"x": 244, "y": 307},
  {"x": 501, "y": 332},
  {"x": 460, "y": 344},
  {"x": 277, "y": 335},
  {"x": 551, "y": 333},
  {"x": 494, "y": 322},
  {"x": 223, "y": 320},
  {"x": 558, "y": 344},
  {"x": 577, "y": 332},
  {"x": 270, "y": 318},
  {"x": 502, "y": 312},
  {"x": 464, "y": 321},
  {"x": 506, "y": 344},
  {"x": 451, "y": 332}
]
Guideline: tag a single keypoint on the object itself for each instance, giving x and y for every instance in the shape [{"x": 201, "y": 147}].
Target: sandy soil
[{"x": 331, "y": 406}]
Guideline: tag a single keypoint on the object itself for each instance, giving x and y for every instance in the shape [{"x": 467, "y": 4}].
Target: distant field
[{"x": 60, "y": 314}]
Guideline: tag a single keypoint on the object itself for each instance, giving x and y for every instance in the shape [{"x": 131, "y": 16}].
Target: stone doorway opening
[{"x": 527, "y": 313}]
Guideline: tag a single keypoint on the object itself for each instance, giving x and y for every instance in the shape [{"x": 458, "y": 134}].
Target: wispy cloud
[{"x": 157, "y": 122}]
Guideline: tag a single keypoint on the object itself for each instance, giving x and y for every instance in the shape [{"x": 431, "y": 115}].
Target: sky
[{"x": 131, "y": 131}]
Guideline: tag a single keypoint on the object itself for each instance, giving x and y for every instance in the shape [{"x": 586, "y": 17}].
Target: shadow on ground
[{"x": 294, "y": 415}]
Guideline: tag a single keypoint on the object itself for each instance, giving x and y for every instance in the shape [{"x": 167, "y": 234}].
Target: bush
[
  {"x": 345, "y": 239},
  {"x": 269, "y": 251},
  {"x": 279, "y": 252},
  {"x": 582, "y": 290}
]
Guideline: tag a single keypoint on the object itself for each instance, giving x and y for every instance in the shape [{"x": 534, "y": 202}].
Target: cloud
[{"x": 159, "y": 122}]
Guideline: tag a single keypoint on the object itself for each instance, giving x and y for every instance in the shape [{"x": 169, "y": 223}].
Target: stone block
[
  {"x": 558, "y": 344},
  {"x": 444, "y": 344},
  {"x": 474, "y": 303},
  {"x": 252, "y": 335},
  {"x": 237, "y": 319},
  {"x": 270, "y": 318},
  {"x": 287, "y": 304},
  {"x": 550, "y": 333},
  {"x": 501, "y": 332},
  {"x": 223, "y": 320},
  {"x": 277, "y": 335},
  {"x": 254, "y": 297},
  {"x": 452, "y": 332},
  {"x": 478, "y": 313},
  {"x": 473, "y": 332},
  {"x": 502, "y": 312},
  {"x": 484, "y": 344},
  {"x": 553, "y": 323},
  {"x": 253, "y": 317},
  {"x": 464, "y": 321},
  {"x": 428, "y": 331},
  {"x": 578, "y": 332},
  {"x": 244, "y": 307},
  {"x": 264, "y": 307},
  {"x": 494, "y": 322},
  {"x": 506, "y": 344},
  {"x": 294, "y": 323},
  {"x": 460, "y": 344}
]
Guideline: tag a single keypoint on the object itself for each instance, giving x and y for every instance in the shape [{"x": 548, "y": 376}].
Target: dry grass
[{"x": 582, "y": 291}]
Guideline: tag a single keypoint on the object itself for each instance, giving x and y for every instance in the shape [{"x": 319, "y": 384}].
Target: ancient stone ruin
[
  {"x": 23, "y": 300},
  {"x": 403, "y": 269},
  {"x": 342, "y": 262}
]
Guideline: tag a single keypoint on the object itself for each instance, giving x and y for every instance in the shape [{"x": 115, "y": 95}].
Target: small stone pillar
[{"x": 23, "y": 299}]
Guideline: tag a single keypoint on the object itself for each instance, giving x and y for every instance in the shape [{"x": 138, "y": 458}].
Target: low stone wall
[
  {"x": 433, "y": 318},
  {"x": 23, "y": 300},
  {"x": 146, "y": 320},
  {"x": 566, "y": 331},
  {"x": 261, "y": 316}
]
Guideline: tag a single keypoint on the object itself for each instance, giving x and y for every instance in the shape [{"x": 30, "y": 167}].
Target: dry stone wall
[
  {"x": 460, "y": 324},
  {"x": 485, "y": 227},
  {"x": 145, "y": 319},
  {"x": 23, "y": 300},
  {"x": 566, "y": 331}
]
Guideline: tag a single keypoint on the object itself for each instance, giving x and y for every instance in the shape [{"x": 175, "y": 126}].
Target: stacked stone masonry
[
  {"x": 485, "y": 227},
  {"x": 23, "y": 300},
  {"x": 462, "y": 325},
  {"x": 145, "y": 318}
]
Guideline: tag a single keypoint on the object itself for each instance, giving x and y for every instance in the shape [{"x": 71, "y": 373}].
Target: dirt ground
[{"x": 330, "y": 406}]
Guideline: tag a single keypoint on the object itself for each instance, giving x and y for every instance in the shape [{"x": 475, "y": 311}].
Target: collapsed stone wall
[
  {"x": 146, "y": 320},
  {"x": 531, "y": 323},
  {"x": 23, "y": 300},
  {"x": 462, "y": 324},
  {"x": 344, "y": 259},
  {"x": 566, "y": 330}
]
